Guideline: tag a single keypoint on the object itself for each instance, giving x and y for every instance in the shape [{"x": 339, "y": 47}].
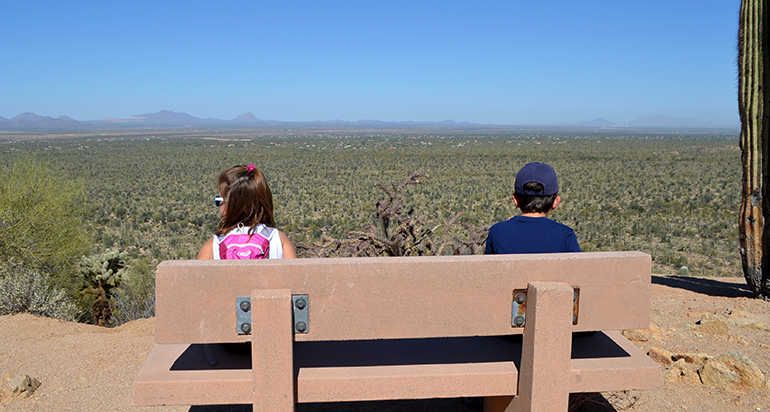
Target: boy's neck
[{"x": 535, "y": 214}]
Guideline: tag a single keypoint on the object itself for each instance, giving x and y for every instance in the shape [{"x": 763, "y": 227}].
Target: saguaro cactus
[{"x": 754, "y": 108}]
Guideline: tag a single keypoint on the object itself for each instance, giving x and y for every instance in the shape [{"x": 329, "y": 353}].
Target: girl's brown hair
[{"x": 248, "y": 199}]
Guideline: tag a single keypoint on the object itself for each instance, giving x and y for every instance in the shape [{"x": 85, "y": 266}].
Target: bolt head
[
  {"x": 301, "y": 326},
  {"x": 245, "y": 305},
  {"x": 518, "y": 320},
  {"x": 300, "y": 303},
  {"x": 246, "y": 327},
  {"x": 521, "y": 298}
]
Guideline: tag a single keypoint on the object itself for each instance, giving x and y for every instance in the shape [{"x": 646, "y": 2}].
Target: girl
[{"x": 246, "y": 226}]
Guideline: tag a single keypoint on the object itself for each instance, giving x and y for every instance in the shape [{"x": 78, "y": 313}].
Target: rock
[
  {"x": 661, "y": 356},
  {"x": 643, "y": 335},
  {"x": 715, "y": 327},
  {"x": 738, "y": 339},
  {"x": 758, "y": 326},
  {"x": 695, "y": 358},
  {"x": 20, "y": 385},
  {"x": 679, "y": 371},
  {"x": 731, "y": 369}
]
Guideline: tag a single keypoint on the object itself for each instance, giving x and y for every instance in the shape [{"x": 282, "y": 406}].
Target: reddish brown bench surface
[{"x": 400, "y": 328}]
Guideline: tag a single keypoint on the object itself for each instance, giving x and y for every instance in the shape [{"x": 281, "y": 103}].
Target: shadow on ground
[
  {"x": 579, "y": 402},
  {"x": 708, "y": 287}
]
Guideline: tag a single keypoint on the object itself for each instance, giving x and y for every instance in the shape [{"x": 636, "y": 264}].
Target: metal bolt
[
  {"x": 574, "y": 296},
  {"x": 246, "y": 327},
  {"x": 245, "y": 305},
  {"x": 521, "y": 298},
  {"x": 301, "y": 326},
  {"x": 300, "y": 303},
  {"x": 574, "y": 318},
  {"x": 518, "y": 320}
]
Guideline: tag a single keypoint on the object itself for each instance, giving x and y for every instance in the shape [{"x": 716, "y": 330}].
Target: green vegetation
[
  {"x": 43, "y": 232},
  {"x": 754, "y": 109},
  {"x": 24, "y": 289},
  {"x": 42, "y": 215},
  {"x": 99, "y": 275},
  {"x": 674, "y": 196}
]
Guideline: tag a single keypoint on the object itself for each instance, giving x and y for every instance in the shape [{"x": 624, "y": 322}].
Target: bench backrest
[{"x": 406, "y": 297}]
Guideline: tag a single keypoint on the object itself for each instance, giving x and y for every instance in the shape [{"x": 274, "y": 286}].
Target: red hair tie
[{"x": 251, "y": 168}]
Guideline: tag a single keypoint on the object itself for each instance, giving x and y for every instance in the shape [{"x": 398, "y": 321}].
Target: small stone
[
  {"x": 737, "y": 339},
  {"x": 695, "y": 358},
  {"x": 661, "y": 356},
  {"x": 640, "y": 335},
  {"x": 715, "y": 327},
  {"x": 758, "y": 326},
  {"x": 731, "y": 369},
  {"x": 716, "y": 373},
  {"x": 19, "y": 385},
  {"x": 657, "y": 332},
  {"x": 679, "y": 371}
]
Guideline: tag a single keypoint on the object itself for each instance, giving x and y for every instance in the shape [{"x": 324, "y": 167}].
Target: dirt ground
[{"x": 88, "y": 368}]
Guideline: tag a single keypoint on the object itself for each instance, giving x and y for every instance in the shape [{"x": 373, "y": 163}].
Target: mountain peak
[{"x": 247, "y": 117}]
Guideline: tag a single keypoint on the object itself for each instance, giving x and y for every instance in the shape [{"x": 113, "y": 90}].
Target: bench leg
[
  {"x": 272, "y": 355},
  {"x": 546, "y": 352}
]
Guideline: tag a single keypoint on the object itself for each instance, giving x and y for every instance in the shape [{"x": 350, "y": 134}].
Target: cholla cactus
[{"x": 100, "y": 274}]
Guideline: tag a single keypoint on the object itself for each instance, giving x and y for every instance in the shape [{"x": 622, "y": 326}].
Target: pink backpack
[{"x": 244, "y": 246}]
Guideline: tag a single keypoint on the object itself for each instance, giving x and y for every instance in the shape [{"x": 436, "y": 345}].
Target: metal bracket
[
  {"x": 519, "y": 307},
  {"x": 243, "y": 315},
  {"x": 300, "y": 305}
]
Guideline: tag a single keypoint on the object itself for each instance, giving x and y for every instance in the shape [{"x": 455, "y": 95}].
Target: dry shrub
[
  {"x": 401, "y": 231},
  {"x": 29, "y": 290}
]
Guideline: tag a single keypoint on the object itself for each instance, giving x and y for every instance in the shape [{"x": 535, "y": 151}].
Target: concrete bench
[{"x": 522, "y": 331}]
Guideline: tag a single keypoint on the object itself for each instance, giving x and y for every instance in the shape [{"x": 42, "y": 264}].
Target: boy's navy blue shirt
[{"x": 522, "y": 234}]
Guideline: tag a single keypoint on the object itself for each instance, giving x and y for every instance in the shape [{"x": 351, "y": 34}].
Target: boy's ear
[
  {"x": 556, "y": 202},
  {"x": 515, "y": 202}
]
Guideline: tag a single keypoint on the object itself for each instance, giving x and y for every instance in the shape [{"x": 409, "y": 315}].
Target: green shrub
[
  {"x": 135, "y": 298},
  {"x": 42, "y": 216},
  {"x": 29, "y": 290}
]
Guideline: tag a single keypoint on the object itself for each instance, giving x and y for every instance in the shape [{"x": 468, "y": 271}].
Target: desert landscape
[{"x": 694, "y": 320}]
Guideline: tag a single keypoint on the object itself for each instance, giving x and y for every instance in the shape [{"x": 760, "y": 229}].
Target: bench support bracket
[
  {"x": 546, "y": 350},
  {"x": 272, "y": 343}
]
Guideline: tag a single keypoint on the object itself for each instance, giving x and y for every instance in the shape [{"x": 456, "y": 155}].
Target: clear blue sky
[{"x": 497, "y": 62}]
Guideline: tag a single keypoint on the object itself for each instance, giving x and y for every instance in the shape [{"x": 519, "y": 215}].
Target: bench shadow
[
  {"x": 405, "y": 351},
  {"x": 417, "y": 405},
  {"x": 579, "y": 402},
  {"x": 361, "y": 353},
  {"x": 703, "y": 286}
]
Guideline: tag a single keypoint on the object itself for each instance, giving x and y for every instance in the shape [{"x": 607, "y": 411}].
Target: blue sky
[{"x": 495, "y": 62}]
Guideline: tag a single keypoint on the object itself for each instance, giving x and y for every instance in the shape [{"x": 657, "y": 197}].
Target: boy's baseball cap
[{"x": 540, "y": 173}]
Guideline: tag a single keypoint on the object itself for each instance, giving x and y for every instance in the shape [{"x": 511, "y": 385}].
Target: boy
[{"x": 536, "y": 194}]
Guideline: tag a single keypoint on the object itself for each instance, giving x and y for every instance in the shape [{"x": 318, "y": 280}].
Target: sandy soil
[{"x": 88, "y": 368}]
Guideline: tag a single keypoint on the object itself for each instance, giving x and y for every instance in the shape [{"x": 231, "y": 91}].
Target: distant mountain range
[
  {"x": 167, "y": 118},
  {"x": 658, "y": 121}
]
